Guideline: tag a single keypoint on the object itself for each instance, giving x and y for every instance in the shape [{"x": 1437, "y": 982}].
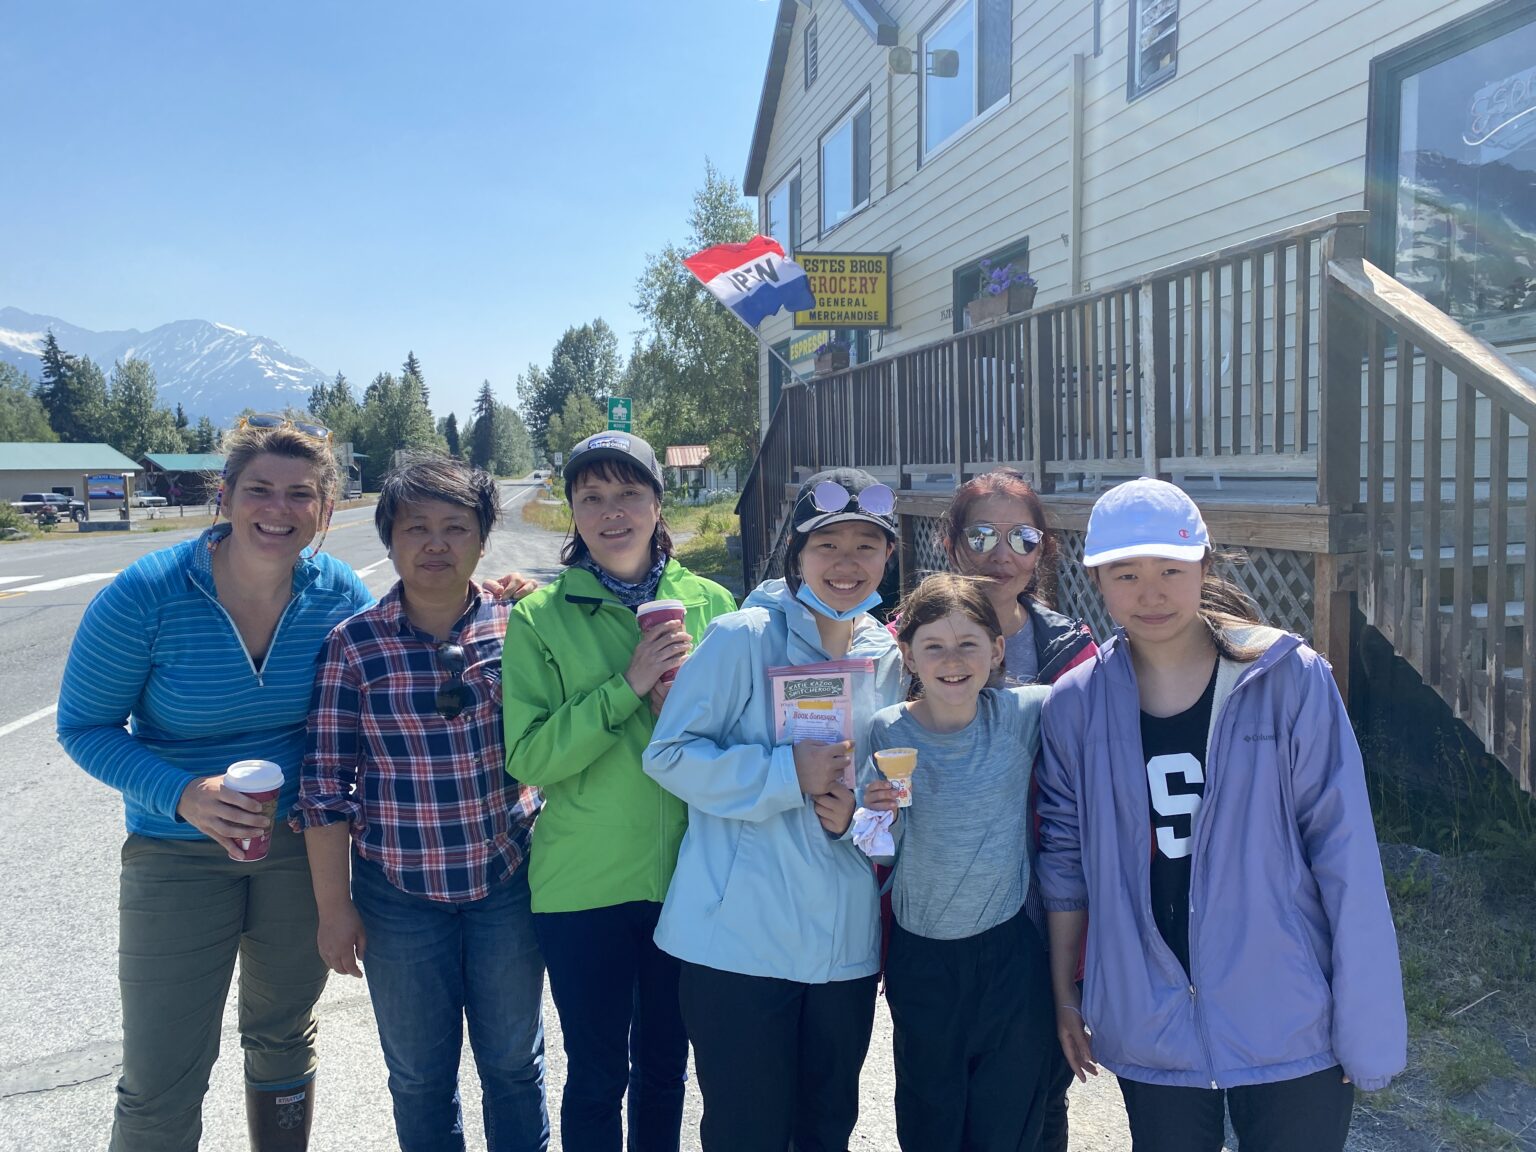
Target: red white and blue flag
[{"x": 754, "y": 280}]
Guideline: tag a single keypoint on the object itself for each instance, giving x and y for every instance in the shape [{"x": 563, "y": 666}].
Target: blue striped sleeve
[{"x": 108, "y": 667}]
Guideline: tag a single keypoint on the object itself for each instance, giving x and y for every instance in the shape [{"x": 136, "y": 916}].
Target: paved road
[{"x": 60, "y": 832}]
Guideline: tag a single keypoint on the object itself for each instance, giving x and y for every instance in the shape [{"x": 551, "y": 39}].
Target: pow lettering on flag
[{"x": 754, "y": 280}]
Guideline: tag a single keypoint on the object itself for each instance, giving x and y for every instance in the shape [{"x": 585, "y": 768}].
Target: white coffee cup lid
[
  {"x": 253, "y": 776},
  {"x": 659, "y": 606}
]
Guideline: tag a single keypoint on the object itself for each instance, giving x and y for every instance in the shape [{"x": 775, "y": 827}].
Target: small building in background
[
  {"x": 63, "y": 468},
  {"x": 692, "y": 478},
  {"x": 183, "y": 477}
]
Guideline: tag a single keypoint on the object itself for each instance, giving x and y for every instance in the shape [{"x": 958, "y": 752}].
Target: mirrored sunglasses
[
  {"x": 1022, "y": 538},
  {"x": 876, "y": 500},
  {"x": 452, "y": 697},
  {"x": 277, "y": 420}
]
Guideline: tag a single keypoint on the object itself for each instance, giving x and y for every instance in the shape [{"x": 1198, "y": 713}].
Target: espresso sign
[{"x": 852, "y": 289}]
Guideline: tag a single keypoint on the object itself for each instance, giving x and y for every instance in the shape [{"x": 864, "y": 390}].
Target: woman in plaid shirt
[{"x": 406, "y": 763}]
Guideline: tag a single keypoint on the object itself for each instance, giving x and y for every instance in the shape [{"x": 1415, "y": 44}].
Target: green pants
[{"x": 185, "y": 911}]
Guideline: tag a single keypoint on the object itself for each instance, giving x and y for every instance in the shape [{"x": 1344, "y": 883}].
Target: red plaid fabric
[{"x": 428, "y": 798}]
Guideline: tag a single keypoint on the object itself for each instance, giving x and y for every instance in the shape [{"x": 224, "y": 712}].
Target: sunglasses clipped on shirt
[
  {"x": 1022, "y": 538},
  {"x": 830, "y": 496},
  {"x": 452, "y": 697},
  {"x": 277, "y": 420}
]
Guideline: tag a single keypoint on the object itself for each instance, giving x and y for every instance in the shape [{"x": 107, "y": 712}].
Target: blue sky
[{"x": 356, "y": 179}]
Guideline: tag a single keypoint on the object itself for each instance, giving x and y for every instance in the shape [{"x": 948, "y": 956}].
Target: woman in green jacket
[{"x": 581, "y": 690}]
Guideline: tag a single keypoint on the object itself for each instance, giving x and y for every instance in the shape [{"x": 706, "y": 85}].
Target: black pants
[
  {"x": 975, "y": 1031},
  {"x": 778, "y": 1062},
  {"x": 1307, "y": 1114},
  {"x": 616, "y": 993}
]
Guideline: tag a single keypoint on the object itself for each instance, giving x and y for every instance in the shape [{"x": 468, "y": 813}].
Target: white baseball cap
[{"x": 1144, "y": 517}]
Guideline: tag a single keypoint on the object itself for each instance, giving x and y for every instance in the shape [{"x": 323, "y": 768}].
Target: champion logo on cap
[
  {"x": 1184, "y": 533},
  {"x": 619, "y": 442}
]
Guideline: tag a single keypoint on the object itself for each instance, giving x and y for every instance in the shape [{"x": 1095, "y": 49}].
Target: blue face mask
[{"x": 819, "y": 606}]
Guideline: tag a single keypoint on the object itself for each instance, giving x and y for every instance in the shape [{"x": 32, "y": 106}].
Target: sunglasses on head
[
  {"x": 453, "y": 696},
  {"x": 981, "y": 538},
  {"x": 830, "y": 496},
  {"x": 276, "y": 420}
]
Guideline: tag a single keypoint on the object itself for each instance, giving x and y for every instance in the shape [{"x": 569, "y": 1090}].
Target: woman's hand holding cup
[
  {"x": 661, "y": 650},
  {"x": 222, "y": 814}
]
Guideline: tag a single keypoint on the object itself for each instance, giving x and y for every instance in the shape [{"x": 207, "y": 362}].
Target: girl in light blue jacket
[{"x": 772, "y": 909}]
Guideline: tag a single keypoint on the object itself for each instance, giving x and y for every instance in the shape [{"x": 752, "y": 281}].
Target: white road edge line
[
  {"x": 375, "y": 565},
  {"x": 65, "y": 582},
  {"x": 17, "y": 725},
  {"x": 15, "y": 579}
]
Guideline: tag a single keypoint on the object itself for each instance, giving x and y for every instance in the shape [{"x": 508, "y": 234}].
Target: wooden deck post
[
  {"x": 1156, "y": 382},
  {"x": 1333, "y": 588},
  {"x": 1341, "y": 336}
]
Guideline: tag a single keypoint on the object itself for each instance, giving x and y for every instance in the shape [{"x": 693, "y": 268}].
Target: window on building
[
  {"x": 1452, "y": 169},
  {"x": 966, "y": 64},
  {"x": 1152, "y": 45},
  {"x": 967, "y": 278},
  {"x": 781, "y": 212},
  {"x": 810, "y": 52},
  {"x": 845, "y": 166}
]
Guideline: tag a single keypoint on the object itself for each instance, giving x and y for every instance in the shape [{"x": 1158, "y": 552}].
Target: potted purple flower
[
  {"x": 1003, "y": 290},
  {"x": 832, "y": 356}
]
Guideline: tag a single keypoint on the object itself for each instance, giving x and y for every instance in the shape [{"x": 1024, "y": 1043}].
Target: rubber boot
[{"x": 280, "y": 1121}]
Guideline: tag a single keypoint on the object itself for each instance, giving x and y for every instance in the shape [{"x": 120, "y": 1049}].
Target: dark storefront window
[{"x": 1453, "y": 169}]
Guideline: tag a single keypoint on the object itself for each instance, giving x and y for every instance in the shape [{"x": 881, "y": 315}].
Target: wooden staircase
[{"x": 1314, "y": 405}]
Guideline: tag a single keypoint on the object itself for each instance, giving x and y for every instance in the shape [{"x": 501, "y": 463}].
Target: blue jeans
[
  {"x": 616, "y": 993},
  {"x": 430, "y": 965}
]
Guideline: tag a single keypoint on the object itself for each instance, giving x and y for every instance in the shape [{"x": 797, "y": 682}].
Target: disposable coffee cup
[
  {"x": 655, "y": 612},
  {"x": 897, "y": 766},
  {"x": 261, "y": 780}
]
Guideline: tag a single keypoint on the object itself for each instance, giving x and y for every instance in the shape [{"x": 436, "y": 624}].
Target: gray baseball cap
[{"x": 613, "y": 446}]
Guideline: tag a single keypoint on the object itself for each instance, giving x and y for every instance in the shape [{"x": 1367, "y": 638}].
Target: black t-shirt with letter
[{"x": 1174, "y": 750}]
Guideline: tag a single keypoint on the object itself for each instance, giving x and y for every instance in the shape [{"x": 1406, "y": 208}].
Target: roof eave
[{"x": 875, "y": 20}]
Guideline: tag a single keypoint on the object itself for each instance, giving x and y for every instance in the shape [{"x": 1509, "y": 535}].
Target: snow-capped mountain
[{"x": 209, "y": 369}]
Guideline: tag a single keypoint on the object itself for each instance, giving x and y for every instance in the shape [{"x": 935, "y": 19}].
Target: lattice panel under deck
[{"x": 1279, "y": 581}]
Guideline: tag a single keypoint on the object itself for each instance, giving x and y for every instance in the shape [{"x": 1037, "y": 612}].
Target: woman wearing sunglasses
[
  {"x": 583, "y": 683},
  {"x": 995, "y": 529},
  {"x": 405, "y": 788},
  {"x": 773, "y": 910},
  {"x": 195, "y": 657}
]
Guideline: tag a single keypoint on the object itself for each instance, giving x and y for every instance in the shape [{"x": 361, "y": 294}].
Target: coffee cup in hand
[
  {"x": 654, "y": 613},
  {"x": 261, "y": 780}
]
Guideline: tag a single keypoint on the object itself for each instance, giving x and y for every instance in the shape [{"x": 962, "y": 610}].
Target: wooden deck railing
[
  {"x": 1448, "y": 454},
  {"x": 1207, "y": 366}
]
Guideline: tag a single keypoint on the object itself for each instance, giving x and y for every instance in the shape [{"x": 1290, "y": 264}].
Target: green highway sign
[{"x": 621, "y": 410}]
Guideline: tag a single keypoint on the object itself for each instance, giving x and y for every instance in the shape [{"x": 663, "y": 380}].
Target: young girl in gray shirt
[{"x": 966, "y": 976}]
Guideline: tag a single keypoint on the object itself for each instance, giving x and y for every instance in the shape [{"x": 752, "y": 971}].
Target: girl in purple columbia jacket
[{"x": 1203, "y": 808}]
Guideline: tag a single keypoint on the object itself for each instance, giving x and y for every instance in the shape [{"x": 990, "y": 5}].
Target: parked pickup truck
[
  {"x": 148, "y": 500},
  {"x": 31, "y": 503}
]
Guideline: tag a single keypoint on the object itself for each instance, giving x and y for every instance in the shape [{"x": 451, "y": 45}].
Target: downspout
[{"x": 1075, "y": 176}]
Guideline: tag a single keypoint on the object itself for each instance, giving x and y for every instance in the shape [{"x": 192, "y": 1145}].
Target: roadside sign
[
  {"x": 620, "y": 413},
  {"x": 559, "y": 459}
]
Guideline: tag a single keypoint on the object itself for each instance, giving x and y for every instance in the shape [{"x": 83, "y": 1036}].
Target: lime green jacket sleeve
[{"x": 551, "y": 736}]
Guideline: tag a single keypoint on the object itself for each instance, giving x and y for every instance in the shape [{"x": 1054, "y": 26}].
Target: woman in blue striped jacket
[{"x": 207, "y": 650}]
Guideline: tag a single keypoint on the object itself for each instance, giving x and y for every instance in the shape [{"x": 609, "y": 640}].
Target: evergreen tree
[
  {"x": 137, "y": 423},
  {"x": 412, "y": 368},
  {"x": 334, "y": 406},
  {"x": 580, "y": 418},
  {"x": 205, "y": 437},
  {"x": 74, "y": 394},
  {"x": 451, "y": 433},
  {"x": 584, "y": 360},
  {"x": 482, "y": 445},
  {"x": 23, "y": 419},
  {"x": 181, "y": 418},
  {"x": 393, "y": 419}
]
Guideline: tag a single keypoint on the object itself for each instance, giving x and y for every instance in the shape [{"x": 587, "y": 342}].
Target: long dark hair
[
  {"x": 1224, "y": 604},
  {"x": 1009, "y": 484},
  {"x": 615, "y": 472}
]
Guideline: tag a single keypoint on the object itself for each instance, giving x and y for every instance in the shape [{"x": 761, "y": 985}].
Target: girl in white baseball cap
[{"x": 1203, "y": 808}]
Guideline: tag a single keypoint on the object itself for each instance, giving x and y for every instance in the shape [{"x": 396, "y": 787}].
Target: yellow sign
[{"x": 852, "y": 289}]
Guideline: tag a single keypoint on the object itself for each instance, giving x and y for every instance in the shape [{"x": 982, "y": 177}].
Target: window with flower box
[
  {"x": 967, "y": 277},
  {"x": 845, "y": 166},
  {"x": 966, "y": 63}
]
